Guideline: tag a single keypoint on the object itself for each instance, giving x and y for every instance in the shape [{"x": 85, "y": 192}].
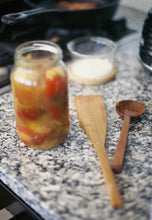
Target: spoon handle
[{"x": 119, "y": 154}]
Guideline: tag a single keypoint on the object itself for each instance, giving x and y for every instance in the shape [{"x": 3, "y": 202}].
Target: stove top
[{"x": 13, "y": 35}]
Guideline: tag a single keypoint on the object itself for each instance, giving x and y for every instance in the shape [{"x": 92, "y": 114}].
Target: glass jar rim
[
  {"x": 43, "y": 45},
  {"x": 97, "y": 40}
]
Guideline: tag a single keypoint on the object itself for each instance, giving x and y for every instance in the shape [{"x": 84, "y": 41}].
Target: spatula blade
[{"x": 91, "y": 113}]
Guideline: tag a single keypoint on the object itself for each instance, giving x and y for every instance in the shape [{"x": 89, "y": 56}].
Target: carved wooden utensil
[
  {"x": 126, "y": 109},
  {"x": 92, "y": 116}
]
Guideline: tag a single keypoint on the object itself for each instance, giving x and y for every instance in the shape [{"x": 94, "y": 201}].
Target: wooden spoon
[
  {"x": 126, "y": 109},
  {"x": 92, "y": 116}
]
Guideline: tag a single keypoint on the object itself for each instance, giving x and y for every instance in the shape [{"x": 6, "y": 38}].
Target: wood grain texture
[
  {"x": 118, "y": 158},
  {"x": 126, "y": 109},
  {"x": 92, "y": 116}
]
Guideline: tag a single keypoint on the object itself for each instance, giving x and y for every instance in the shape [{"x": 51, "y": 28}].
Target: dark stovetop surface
[{"x": 13, "y": 35}]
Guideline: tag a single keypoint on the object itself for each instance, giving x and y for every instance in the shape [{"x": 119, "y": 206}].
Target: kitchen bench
[{"x": 66, "y": 183}]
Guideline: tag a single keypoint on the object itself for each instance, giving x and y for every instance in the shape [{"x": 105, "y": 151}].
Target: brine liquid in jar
[{"x": 40, "y": 94}]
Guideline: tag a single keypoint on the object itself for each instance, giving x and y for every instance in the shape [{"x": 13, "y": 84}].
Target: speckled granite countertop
[{"x": 66, "y": 183}]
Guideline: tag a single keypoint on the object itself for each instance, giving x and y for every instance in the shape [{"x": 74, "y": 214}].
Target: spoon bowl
[
  {"x": 129, "y": 107},
  {"x": 126, "y": 109}
]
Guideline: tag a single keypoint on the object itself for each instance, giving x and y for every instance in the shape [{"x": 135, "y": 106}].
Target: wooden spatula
[{"x": 92, "y": 116}]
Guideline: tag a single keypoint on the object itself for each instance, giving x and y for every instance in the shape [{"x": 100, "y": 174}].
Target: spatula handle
[
  {"x": 119, "y": 154},
  {"x": 112, "y": 189}
]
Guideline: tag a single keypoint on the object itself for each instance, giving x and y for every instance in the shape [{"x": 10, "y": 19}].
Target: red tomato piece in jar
[
  {"x": 56, "y": 82},
  {"x": 39, "y": 138},
  {"x": 24, "y": 130},
  {"x": 31, "y": 114},
  {"x": 30, "y": 137},
  {"x": 55, "y": 112},
  {"x": 24, "y": 134}
]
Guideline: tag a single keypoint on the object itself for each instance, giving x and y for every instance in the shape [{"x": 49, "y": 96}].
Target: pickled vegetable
[{"x": 41, "y": 106}]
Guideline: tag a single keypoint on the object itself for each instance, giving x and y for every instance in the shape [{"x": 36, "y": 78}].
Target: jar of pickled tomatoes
[{"x": 40, "y": 94}]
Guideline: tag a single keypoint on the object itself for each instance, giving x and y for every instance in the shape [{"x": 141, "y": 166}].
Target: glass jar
[{"x": 40, "y": 94}]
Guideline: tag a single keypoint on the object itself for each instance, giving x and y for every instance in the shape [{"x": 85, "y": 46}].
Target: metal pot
[
  {"x": 145, "y": 47},
  {"x": 48, "y": 12}
]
